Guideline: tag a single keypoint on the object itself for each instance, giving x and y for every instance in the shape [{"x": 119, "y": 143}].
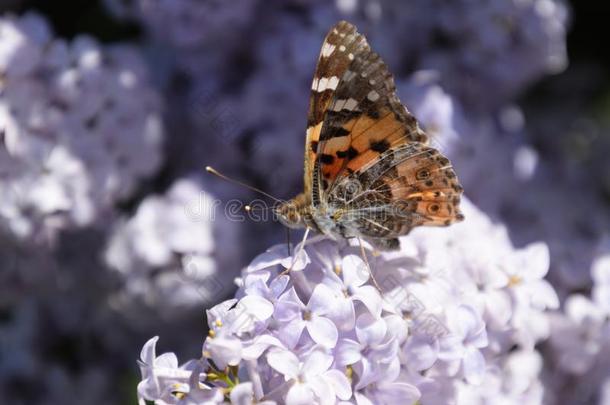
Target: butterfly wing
[
  {"x": 359, "y": 133},
  {"x": 406, "y": 186},
  {"x": 334, "y": 60}
]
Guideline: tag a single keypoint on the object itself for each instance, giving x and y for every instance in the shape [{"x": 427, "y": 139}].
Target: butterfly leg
[
  {"x": 368, "y": 266},
  {"x": 288, "y": 241},
  {"x": 297, "y": 253}
]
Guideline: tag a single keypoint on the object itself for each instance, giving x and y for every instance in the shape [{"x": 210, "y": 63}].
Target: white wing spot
[
  {"x": 327, "y": 49},
  {"x": 342, "y": 48},
  {"x": 342, "y": 35},
  {"x": 342, "y": 104},
  {"x": 350, "y": 104},
  {"x": 333, "y": 82},
  {"x": 314, "y": 85},
  {"x": 322, "y": 84},
  {"x": 373, "y": 95},
  {"x": 339, "y": 104},
  {"x": 327, "y": 83},
  {"x": 350, "y": 56},
  {"x": 372, "y": 82}
]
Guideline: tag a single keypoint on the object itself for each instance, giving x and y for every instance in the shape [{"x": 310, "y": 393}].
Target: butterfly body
[{"x": 368, "y": 169}]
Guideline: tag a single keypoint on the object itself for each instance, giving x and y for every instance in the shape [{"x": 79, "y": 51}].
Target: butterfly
[{"x": 369, "y": 171}]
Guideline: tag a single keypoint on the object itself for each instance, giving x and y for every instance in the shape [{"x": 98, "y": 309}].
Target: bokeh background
[{"x": 111, "y": 232}]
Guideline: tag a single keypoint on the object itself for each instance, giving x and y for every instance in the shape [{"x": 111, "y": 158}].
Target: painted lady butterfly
[{"x": 368, "y": 169}]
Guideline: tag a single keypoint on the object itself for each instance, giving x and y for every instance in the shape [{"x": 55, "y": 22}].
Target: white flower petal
[
  {"x": 347, "y": 352},
  {"x": 322, "y": 391},
  {"x": 579, "y": 308},
  {"x": 543, "y": 295},
  {"x": 600, "y": 270},
  {"x": 147, "y": 355},
  {"x": 257, "y": 307},
  {"x": 284, "y": 362},
  {"x": 323, "y": 331},
  {"x": 370, "y": 329},
  {"x": 361, "y": 399},
  {"x": 355, "y": 272},
  {"x": 421, "y": 352},
  {"x": 242, "y": 394},
  {"x": 322, "y": 300},
  {"x": 297, "y": 262},
  {"x": 498, "y": 307},
  {"x": 225, "y": 350},
  {"x": 278, "y": 285},
  {"x": 537, "y": 260},
  {"x": 168, "y": 360},
  {"x": 299, "y": 394},
  {"x": 272, "y": 257},
  {"x": 259, "y": 344},
  {"x": 291, "y": 332},
  {"x": 397, "y": 393},
  {"x": 316, "y": 363},
  {"x": 397, "y": 327},
  {"x": 371, "y": 298},
  {"x": 343, "y": 313},
  {"x": 474, "y": 366},
  {"x": 339, "y": 383}
]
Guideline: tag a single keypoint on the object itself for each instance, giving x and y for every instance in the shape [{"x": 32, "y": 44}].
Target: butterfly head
[{"x": 291, "y": 213}]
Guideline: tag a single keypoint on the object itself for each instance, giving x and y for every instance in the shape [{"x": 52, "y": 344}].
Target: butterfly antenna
[
  {"x": 215, "y": 172},
  {"x": 254, "y": 208},
  {"x": 288, "y": 240}
]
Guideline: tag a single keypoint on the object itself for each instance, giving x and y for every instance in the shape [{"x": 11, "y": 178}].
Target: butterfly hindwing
[
  {"x": 415, "y": 184},
  {"x": 407, "y": 186}
]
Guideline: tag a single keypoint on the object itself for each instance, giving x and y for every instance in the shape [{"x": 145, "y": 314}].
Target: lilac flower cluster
[
  {"x": 191, "y": 28},
  {"x": 169, "y": 251},
  {"x": 580, "y": 342},
  {"x": 80, "y": 124},
  {"x": 489, "y": 52},
  {"x": 456, "y": 320}
]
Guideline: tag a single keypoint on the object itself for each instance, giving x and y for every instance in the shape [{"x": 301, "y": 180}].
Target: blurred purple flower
[
  {"x": 167, "y": 253},
  {"x": 81, "y": 127}
]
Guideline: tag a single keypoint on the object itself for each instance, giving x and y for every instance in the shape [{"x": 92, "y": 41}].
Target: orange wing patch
[{"x": 427, "y": 183}]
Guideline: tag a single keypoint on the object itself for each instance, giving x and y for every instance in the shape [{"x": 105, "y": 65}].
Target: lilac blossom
[
  {"x": 316, "y": 334},
  {"x": 296, "y": 317},
  {"x": 461, "y": 348},
  {"x": 81, "y": 127},
  {"x": 167, "y": 383},
  {"x": 580, "y": 341},
  {"x": 166, "y": 252},
  {"x": 312, "y": 380}
]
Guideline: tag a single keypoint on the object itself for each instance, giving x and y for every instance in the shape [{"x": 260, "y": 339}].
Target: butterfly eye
[
  {"x": 289, "y": 215},
  {"x": 294, "y": 216},
  {"x": 433, "y": 208},
  {"x": 423, "y": 174}
]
